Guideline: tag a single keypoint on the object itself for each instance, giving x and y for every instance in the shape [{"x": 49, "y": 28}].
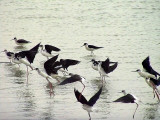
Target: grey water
[{"x": 127, "y": 29}]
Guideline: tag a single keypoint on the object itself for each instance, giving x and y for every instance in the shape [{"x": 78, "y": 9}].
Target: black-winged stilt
[
  {"x": 150, "y": 76},
  {"x": 47, "y": 78},
  {"x": 87, "y": 105},
  {"x": 51, "y": 67},
  {"x": 91, "y": 47},
  {"x": 46, "y": 50},
  {"x": 66, "y": 63},
  {"x": 27, "y": 57},
  {"x": 95, "y": 64},
  {"x": 148, "y": 68},
  {"x": 104, "y": 68},
  {"x": 9, "y": 55},
  {"x": 20, "y": 41},
  {"x": 128, "y": 98}
]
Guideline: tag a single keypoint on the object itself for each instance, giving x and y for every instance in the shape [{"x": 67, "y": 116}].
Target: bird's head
[
  {"x": 40, "y": 45},
  {"x": 4, "y": 50},
  {"x": 138, "y": 70},
  {"x": 84, "y": 44},
  {"x": 37, "y": 69},
  {"x": 70, "y": 74},
  {"x": 18, "y": 57},
  {"x": 124, "y": 92},
  {"x": 14, "y": 38}
]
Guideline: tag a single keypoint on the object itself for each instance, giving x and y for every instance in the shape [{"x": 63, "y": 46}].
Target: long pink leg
[
  {"x": 27, "y": 74},
  {"x": 82, "y": 91}
]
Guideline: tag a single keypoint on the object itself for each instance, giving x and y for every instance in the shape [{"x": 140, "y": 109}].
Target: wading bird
[
  {"x": 47, "y": 78},
  {"x": 21, "y": 41},
  {"x": 66, "y": 63},
  {"x": 27, "y": 57},
  {"x": 9, "y": 55},
  {"x": 104, "y": 68},
  {"x": 46, "y": 50},
  {"x": 128, "y": 98},
  {"x": 91, "y": 47},
  {"x": 150, "y": 76}
]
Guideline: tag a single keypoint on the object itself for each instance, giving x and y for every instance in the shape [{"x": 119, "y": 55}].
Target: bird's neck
[
  {"x": 86, "y": 46},
  {"x": 124, "y": 93}
]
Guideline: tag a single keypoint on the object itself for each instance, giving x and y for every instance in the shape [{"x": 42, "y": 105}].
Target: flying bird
[
  {"x": 128, "y": 98},
  {"x": 150, "y": 76},
  {"x": 148, "y": 68},
  {"x": 87, "y": 105}
]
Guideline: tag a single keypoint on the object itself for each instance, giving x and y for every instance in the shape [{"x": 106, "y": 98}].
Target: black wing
[
  {"x": 35, "y": 48},
  {"x": 50, "y": 48},
  {"x": 57, "y": 65},
  {"x": 48, "y": 65},
  {"x": 105, "y": 65},
  {"x": 68, "y": 62},
  {"x": 94, "y": 47},
  {"x": 71, "y": 79},
  {"x": 126, "y": 99},
  {"x": 83, "y": 99},
  {"x": 113, "y": 67},
  {"x": 156, "y": 82},
  {"x": 146, "y": 65},
  {"x": 93, "y": 100},
  {"x": 23, "y": 41},
  {"x": 32, "y": 53}
]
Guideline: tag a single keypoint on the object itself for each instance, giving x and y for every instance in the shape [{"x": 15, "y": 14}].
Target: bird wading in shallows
[
  {"x": 105, "y": 67},
  {"x": 52, "y": 66},
  {"x": 150, "y": 76},
  {"x": 21, "y": 42},
  {"x": 47, "y": 78},
  {"x": 9, "y": 55},
  {"x": 27, "y": 57},
  {"x": 46, "y": 50},
  {"x": 128, "y": 98},
  {"x": 95, "y": 64},
  {"x": 91, "y": 47},
  {"x": 87, "y": 105}
]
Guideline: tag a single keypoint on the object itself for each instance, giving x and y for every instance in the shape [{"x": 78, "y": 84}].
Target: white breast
[
  {"x": 101, "y": 71},
  {"x": 87, "y": 108},
  {"x": 14, "y": 60},
  {"x": 146, "y": 75},
  {"x": 95, "y": 67},
  {"x": 44, "y": 53},
  {"x": 89, "y": 49}
]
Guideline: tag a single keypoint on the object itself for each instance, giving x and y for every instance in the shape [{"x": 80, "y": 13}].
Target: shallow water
[{"x": 129, "y": 32}]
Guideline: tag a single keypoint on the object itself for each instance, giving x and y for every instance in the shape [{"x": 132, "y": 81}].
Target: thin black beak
[
  {"x": 82, "y": 45},
  {"x": 133, "y": 71}
]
